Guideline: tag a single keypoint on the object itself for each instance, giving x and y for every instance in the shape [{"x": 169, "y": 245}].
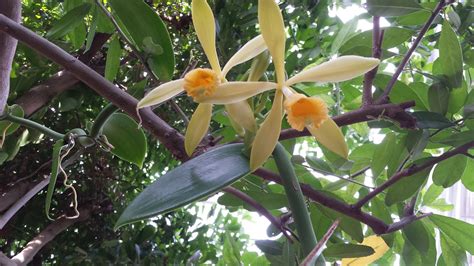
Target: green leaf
[
  {"x": 230, "y": 251},
  {"x": 319, "y": 165},
  {"x": 440, "y": 205},
  {"x": 348, "y": 251},
  {"x": 392, "y": 8},
  {"x": 450, "y": 56},
  {"x": 347, "y": 224},
  {"x": 432, "y": 194},
  {"x": 112, "y": 64},
  {"x": 393, "y": 36},
  {"x": 191, "y": 181},
  {"x": 148, "y": 33},
  {"x": 7, "y": 127},
  {"x": 449, "y": 171},
  {"x": 270, "y": 247},
  {"x": 413, "y": 19},
  {"x": 458, "y": 139},
  {"x": 438, "y": 97},
  {"x": 406, "y": 187},
  {"x": 453, "y": 255},
  {"x": 383, "y": 154},
  {"x": 402, "y": 92},
  {"x": 127, "y": 139},
  {"x": 457, "y": 98},
  {"x": 431, "y": 120},
  {"x": 343, "y": 35},
  {"x": 55, "y": 164},
  {"x": 468, "y": 176},
  {"x": 69, "y": 21},
  {"x": 459, "y": 231},
  {"x": 418, "y": 236}
]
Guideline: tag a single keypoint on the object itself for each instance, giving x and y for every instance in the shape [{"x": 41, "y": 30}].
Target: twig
[
  {"x": 318, "y": 249},
  {"x": 404, "y": 222},
  {"x": 384, "y": 97},
  {"x": 412, "y": 170},
  {"x": 261, "y": 210}
]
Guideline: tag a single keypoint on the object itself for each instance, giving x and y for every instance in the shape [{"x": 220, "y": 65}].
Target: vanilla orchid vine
[
  {"x": 302, "y": 111},
  {"x": 209, "y": 86}
]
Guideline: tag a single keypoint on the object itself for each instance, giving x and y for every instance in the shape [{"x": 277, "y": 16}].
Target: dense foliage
[{"x": 408, "y": 125}]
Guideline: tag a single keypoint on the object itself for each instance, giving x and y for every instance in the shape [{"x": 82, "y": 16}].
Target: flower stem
[
  {"x": 101, "y": 118},
  {"x": 34, "y": 125},
  {"x": 296, "y": 201}
]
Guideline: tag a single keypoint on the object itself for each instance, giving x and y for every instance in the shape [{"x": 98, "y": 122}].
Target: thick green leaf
[
  {"x": 319, "y": 165},
  {"x": 149, "y": 34},
  {"x": 392, "y": 8},
  {"x": 450, "y": 56},
  {"x": 438, "y": 97},
  {"x": 55, "y": 164},
  {"x": 69, "y": 21},
  {"x": 431, "y": 120},
  {"x": 348, "y": 251},
  {"x": 449, "y": 171},
  {"x": 402, "y": 92},
  {"x": 6, "y": 127},
  {"x": 468, "y": 175},
  {"x": 406, "y": 188},
  {"x": 347, "y": 224},
  {"x": 453, "y": 255},
  {"x": 413, "y": 19},
  {"x": 418, "y": 236},
  {"x": 127, "y": 139},
  {"x": 78, "y": 34},
  {"x": 112, "y": 64},
  {"x": 191, "y": 181},
  {"x": 459, "y": 231},
  {"x": 457, "y": 98}
]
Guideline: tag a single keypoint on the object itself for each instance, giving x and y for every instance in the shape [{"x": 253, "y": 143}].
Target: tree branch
[
  {"x": 412, "y": 170},
  {"x": 260, "y": 209},
  {"x": 40, "y": 95},
  {"x": 377, "y": 225},
  {"x": 384, "y": 97},
  {"x": 47, "y": 235},
  {"x": 167, "y": 135},
  {"x": 12, "y": 10},
  {"x": 377, "y": 38},
  {"x": 367, "y": 113},
  {"x": 5, "y": 261}
]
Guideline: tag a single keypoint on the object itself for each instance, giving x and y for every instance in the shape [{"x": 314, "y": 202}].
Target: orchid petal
[
  {"x": 204, "y": 24},
  {"x": 273, "y": 31},
  {"x": 162, "y": 93},
  {"x": 330, "y": 136},
  {"x": 242, "y": 114},
  {"x": 232, "y": 92},
  {"x": 250, "y": 50},
  {"x": 198, "y": 127},
  {"x": 267, "y": 136},
  {"x": 337, "y": 70}
]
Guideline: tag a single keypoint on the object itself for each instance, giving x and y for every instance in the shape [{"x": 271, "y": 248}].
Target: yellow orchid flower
[
  {"x": 302, "y": 111},
  {"x": 209, "y": 86}
]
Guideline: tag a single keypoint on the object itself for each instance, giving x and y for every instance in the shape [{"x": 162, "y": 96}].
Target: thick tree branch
[
  {"x": 5, "y": 261},
  {"x": 367, "y": 113},
  {"x": 412, "y": 170},
  {"x": 12, "y": 10},
  {"x": 47, "y": 235},
  {"x": 167, "y": 135},
  {"x": 384, "y": 97},
  {"x": 260, "y": 209}
]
